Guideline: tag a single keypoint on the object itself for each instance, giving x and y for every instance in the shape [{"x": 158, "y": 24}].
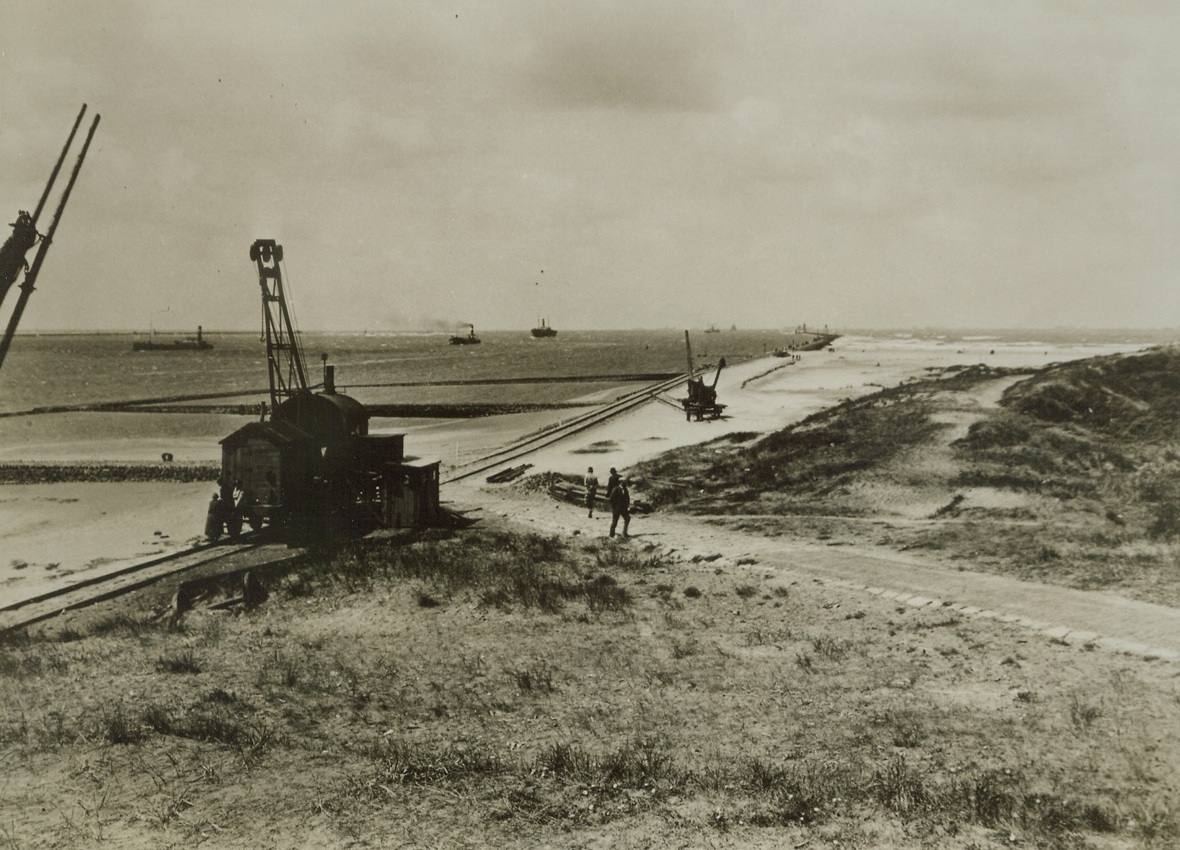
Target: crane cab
[{"x": 313, "y": 472}]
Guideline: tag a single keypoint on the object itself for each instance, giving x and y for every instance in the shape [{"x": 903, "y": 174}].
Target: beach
[{"x": 54, "y": 534}]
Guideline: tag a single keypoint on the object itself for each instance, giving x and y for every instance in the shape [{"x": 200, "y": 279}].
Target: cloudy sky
[{"x": 1010, "y": 163}]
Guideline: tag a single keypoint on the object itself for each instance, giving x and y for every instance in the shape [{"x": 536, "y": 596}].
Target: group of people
[
  {"x": 232, "y": 507},
  {"x": 618, "y": 494}
]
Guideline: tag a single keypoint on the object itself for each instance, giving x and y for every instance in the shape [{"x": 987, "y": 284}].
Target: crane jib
[
  {"x": 284, "y": 358},
  {"x": 12, "y": 255}
]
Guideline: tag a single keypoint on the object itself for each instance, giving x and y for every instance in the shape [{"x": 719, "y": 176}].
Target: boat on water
[
  {"x": 469, "y": 339},
  {"x": 191, "y": 343},
  {"x": 544, "y": 330},
  {"x": 712, "y": 329}
]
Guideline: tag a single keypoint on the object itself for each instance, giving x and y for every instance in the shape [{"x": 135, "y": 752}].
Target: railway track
[
  {"x": 237, "y": 556},
  {"x": 562, "y": 430},
  {"x": 99, "y": 588}
]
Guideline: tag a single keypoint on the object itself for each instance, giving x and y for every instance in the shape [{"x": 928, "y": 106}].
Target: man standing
[
  {"x": 620, "y": 503},
  {"x": 591, "y": 491},
  {"x": 215, "y": 519}
]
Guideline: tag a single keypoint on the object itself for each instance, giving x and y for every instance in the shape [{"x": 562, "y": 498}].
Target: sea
[
  {"x": 63, "y": 370},
  {"x": 52, "y": 370}
]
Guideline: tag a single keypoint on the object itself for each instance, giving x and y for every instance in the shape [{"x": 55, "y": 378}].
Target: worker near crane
[
  {"x": 620, "y": 506},
  {"x": 591, "y": 491},
  {"x": 215, "y": 519},
  {"x": 12, "y": 255}
]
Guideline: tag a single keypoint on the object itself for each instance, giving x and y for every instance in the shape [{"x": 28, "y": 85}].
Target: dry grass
[
  {"x": 575, "y": 695},
  {"x": 1072, "y": 479}
]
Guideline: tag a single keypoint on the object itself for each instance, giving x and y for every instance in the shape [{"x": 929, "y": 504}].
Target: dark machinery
[
  {"x": 311, "y": 470},
  {"x": 25, "y": 235},
  {"x": 702, "y": 398}
]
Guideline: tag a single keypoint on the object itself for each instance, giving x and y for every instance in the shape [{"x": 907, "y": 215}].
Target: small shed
[{"x": 410, "y": 491}]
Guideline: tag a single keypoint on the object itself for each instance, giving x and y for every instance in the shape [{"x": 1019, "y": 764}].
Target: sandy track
[{"x": 1099, "y": 618}]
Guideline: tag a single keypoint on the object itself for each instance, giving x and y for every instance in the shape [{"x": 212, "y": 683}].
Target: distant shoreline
[{"x": 959, "y": 332}]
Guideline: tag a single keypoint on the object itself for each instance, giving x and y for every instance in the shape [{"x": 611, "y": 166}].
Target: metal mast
[
  {"x": 26, "y": 226},
  {"x": 284, "y": 358}
]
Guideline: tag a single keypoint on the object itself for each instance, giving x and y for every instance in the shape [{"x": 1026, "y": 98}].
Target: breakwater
[{"x": 57, "y": 473}]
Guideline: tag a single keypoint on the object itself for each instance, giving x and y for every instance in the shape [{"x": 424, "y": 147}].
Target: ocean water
[
  {"x": 70, "y": 369},
  {"x": 51, "y": 370}
]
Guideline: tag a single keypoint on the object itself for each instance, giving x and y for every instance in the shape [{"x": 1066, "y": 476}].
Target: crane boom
[
  {"x": 29, "y": 222},
  {"x": 24, "y": 229},
  {"x": 284, "y": 357},
  {"x": 702, "y": 397}
]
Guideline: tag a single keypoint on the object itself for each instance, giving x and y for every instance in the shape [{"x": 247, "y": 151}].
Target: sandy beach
[{"x": 54, "y": 533}]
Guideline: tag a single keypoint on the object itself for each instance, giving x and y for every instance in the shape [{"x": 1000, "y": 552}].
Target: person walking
[
  {"x": 591, "y": 491},
  {"x": 612, "y": 481},
  {"x": 620, "y": 504}
]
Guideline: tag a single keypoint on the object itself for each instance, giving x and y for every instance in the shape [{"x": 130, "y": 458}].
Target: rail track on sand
[
  {"x": 562, "y": 430},
  {"x": 99, "y": 588},
  {"x": 252, "y": 553}
]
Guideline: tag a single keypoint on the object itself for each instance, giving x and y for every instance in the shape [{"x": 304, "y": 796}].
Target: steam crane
[
  {"x": 25, "y": 236},
  {"x": 702, "y": 397},
  {"x": 312, "y": 471}
]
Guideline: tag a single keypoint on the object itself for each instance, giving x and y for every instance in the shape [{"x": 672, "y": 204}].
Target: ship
[
  {"x": 544, "y": 330},
  {"x": 469, "y": 339},
  {"x": 712, "y": 329},
  {"x": 192, "y": 343}
]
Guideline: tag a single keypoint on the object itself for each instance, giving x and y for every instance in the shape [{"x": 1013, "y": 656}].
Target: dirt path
[{"x": 1095, "y": 618}]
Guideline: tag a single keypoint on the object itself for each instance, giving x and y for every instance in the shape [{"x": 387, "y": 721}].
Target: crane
[
  {"x": 284, "y": 357},
  {"x": 25, "y": 235},
  {"x": 702, "y": 397}
]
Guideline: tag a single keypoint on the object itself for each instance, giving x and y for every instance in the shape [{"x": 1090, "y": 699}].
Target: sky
[{"x": 604, "y": 164}]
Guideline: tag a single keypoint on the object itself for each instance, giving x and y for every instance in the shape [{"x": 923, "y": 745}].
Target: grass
[
  {"x": 183, "y": 661},
  {"x": 536, "y": 677},
  {"x": 829, "y": 648},
  {"x": 1083, "y": 713},
  {"x": 502, "y": 570},
  {"x": 572, "y": 785},
  {"x": 117, "y": 725},
  {"x": 345, "y": 711},
  {"x": 791, "y": 468}
]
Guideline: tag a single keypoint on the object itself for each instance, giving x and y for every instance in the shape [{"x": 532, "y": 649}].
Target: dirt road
[{"x": 1097, "y": 618}]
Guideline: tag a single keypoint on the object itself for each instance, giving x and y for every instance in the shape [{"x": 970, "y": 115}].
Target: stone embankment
[{"x": 56, "y": 473}]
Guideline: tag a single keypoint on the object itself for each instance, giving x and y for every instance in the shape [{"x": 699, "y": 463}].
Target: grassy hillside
[
  {"x": 498, "y": 689},
  {"x": 1068, "y": 475}
]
